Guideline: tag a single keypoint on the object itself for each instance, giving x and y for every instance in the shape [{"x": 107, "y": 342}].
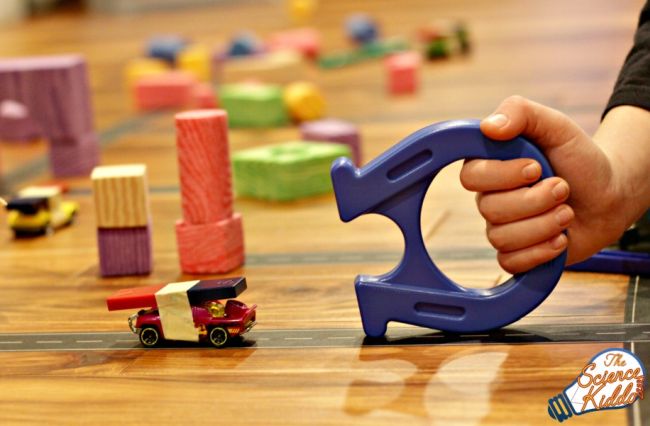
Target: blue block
[
  {"x": 416, "y": 291},
  {"x": 166, "y": 47},
  {"x": 361, "y": 28},
  {"x": 244, "y": 44}
]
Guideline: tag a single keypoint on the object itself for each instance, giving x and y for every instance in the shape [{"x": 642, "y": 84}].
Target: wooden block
[
  {"x": 176, "y": 313},
  {"x": 74, "y": 156},
  {"x": 304, "y": 100},
  {"x": 302, "y": 11},
  {"x": 254, "y": 105},
  {"x": 204, "y": 165},
  {"x": 124, "y": 251},
  {"x": 279, "y": 67},
  {"x": 333, "y": 130},
  {"x": 166, "y": 47},
  {"x": 55, "y": 91},
  {"x": 244, "y": 44},
  {"x": 305, "y": 41},
  {"x": 195, "y": 59},
  {"x": 402, "y": 72},
  {"x": 141, "y": 67},
  {"x": 172, "y": 89},
  {"x": 121, "y": 196},
  {"x": 204, "y": 96},
  {"x": 286, "y": 171},
  {"x": 211, "y": 248},
  {"x": 361, "y": 28},
  {"x": 16, "y": 124}
]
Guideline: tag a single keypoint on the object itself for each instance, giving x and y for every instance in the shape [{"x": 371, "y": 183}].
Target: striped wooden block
[
  {"x": 280, "y": 67},
  {"x": 74, "y": 156},
  {"x": 402, "y": 72},
  {"x": 304, "y": 101},
  {"x": 173, "y": 89},
  {"x": 141, "y": 67},
  {"x": 196, "y": 60},
  {"x": 121, "y": 196},
  {"x": 124, "y": 251},
  {"x": 306, "y": 41},
  {"x": 55, "y": 91},
  {"x": 333, "y": 130},
  {"x": 204, "y": 165},
  {"x": 211, "y": 248}
]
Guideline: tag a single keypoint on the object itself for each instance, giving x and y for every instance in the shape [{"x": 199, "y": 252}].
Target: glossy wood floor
[{"x": 564, "y": 54}]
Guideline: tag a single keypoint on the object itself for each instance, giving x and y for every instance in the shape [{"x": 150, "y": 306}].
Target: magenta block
[
  {"x": 55, "y": 92},
  {"x": 124, "y": 251},
  {"x": 333, "y": 130},
  {"x": 74, "y": 156},
  {"x": 16, "y": 124}
]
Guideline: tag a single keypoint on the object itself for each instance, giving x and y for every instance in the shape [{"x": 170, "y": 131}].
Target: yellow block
[
  {"x": 302, "y": 10},
  {"x": 141, "y": 67},
  {"x": 279, "y": 67},
  {"x": 121, "y": 196},
  {"x": 195, "y": 59},
  {"x": 304, "y": 101},
  {"x": 176, "y": 313}
]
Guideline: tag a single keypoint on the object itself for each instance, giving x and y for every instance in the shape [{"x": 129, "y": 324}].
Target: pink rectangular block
[
  {"x": 204, "y": 96},
  {"x": 303, "y": 40},
  {"x": 211, "y": 248},
  {"x": 333, "y": 130},
  {"x": 169, "y": 90},
  {"x": 402, "y": 71},
  {"x": 124, "y": 251}
]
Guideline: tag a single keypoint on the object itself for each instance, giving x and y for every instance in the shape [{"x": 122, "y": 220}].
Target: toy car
[
  {"x": 187, "y": 311},
  {"x": 38, "y": 210}
]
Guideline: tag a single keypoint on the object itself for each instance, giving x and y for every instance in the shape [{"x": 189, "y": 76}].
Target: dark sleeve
[{"x": 633, "y": 84}]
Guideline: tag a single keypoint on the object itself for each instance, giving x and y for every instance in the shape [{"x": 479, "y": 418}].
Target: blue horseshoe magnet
[{"x": 416, "y": 292}]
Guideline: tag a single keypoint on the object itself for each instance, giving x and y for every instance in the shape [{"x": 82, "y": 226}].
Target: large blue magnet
[{"x": 416, "y": 291}]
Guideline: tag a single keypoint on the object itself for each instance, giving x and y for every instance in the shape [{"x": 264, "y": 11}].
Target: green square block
[
  {"x": 288, "y": 171},
  {"x": 253, "y": 105}
]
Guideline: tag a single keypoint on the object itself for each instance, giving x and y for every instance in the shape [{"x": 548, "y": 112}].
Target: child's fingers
[
  {"x": 528, "y": 232},
  {"x": 517, "y": 204},
  {"x": 497, "y": 175},
  {"x": 523, "y": 260},
  {"x": 516, "y": 115}
]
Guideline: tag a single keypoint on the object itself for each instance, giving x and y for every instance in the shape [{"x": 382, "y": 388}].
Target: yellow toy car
[{"x": 39, "y": 210}]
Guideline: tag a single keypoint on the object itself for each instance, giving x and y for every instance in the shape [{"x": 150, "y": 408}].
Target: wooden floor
[{"x": 562, "y": 53}]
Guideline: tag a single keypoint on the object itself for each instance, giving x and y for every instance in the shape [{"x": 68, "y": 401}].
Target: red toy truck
[{"x": 189, "y": 311}]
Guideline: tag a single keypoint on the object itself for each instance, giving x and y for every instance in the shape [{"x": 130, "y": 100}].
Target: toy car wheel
[
  {"x": 218, "y": 337},
  {"x": 149, "y": 336}
]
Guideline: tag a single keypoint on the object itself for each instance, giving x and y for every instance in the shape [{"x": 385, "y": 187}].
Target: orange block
[
  {"x": 211, "y": 248},
  {"x": 172, "y": 89}
]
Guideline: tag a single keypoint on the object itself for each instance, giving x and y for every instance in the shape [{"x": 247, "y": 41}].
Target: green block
[
  {"x": 375, "y": 49},
  {"x": 253, "y": 105},
  {"x": 288, "y": 171}
]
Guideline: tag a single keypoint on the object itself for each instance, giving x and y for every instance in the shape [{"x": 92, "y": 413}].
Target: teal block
[
  {"x": 288, "y": 171},
  {"x": 253, "y": 105}
]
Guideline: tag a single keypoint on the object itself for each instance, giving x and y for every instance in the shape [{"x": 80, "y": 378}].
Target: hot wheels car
[
  {"x": 188, "y": 311},
  {"x": 38, "y": 210}
]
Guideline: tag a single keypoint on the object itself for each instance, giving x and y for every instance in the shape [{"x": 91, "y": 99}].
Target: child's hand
[{"x": 525, "y": 224}]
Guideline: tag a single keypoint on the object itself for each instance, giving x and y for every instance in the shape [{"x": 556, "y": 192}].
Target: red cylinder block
[{"x": 204, "y": 165}]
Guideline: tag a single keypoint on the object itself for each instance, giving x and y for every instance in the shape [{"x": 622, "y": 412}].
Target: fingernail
[
  {"x": 564, "y": 216},
  {"x": 497, "y": 120},
  {"x": 531, "y": 171},
  {"x": 559, "y": 242},
  {"x": 560, "y": 191}
]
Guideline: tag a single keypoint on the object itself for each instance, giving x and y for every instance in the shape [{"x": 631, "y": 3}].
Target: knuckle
[
  {"x": 496, "y": 239},
  {"x": 468, "y": 178},
  {"x": 508, "y": 264}
]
